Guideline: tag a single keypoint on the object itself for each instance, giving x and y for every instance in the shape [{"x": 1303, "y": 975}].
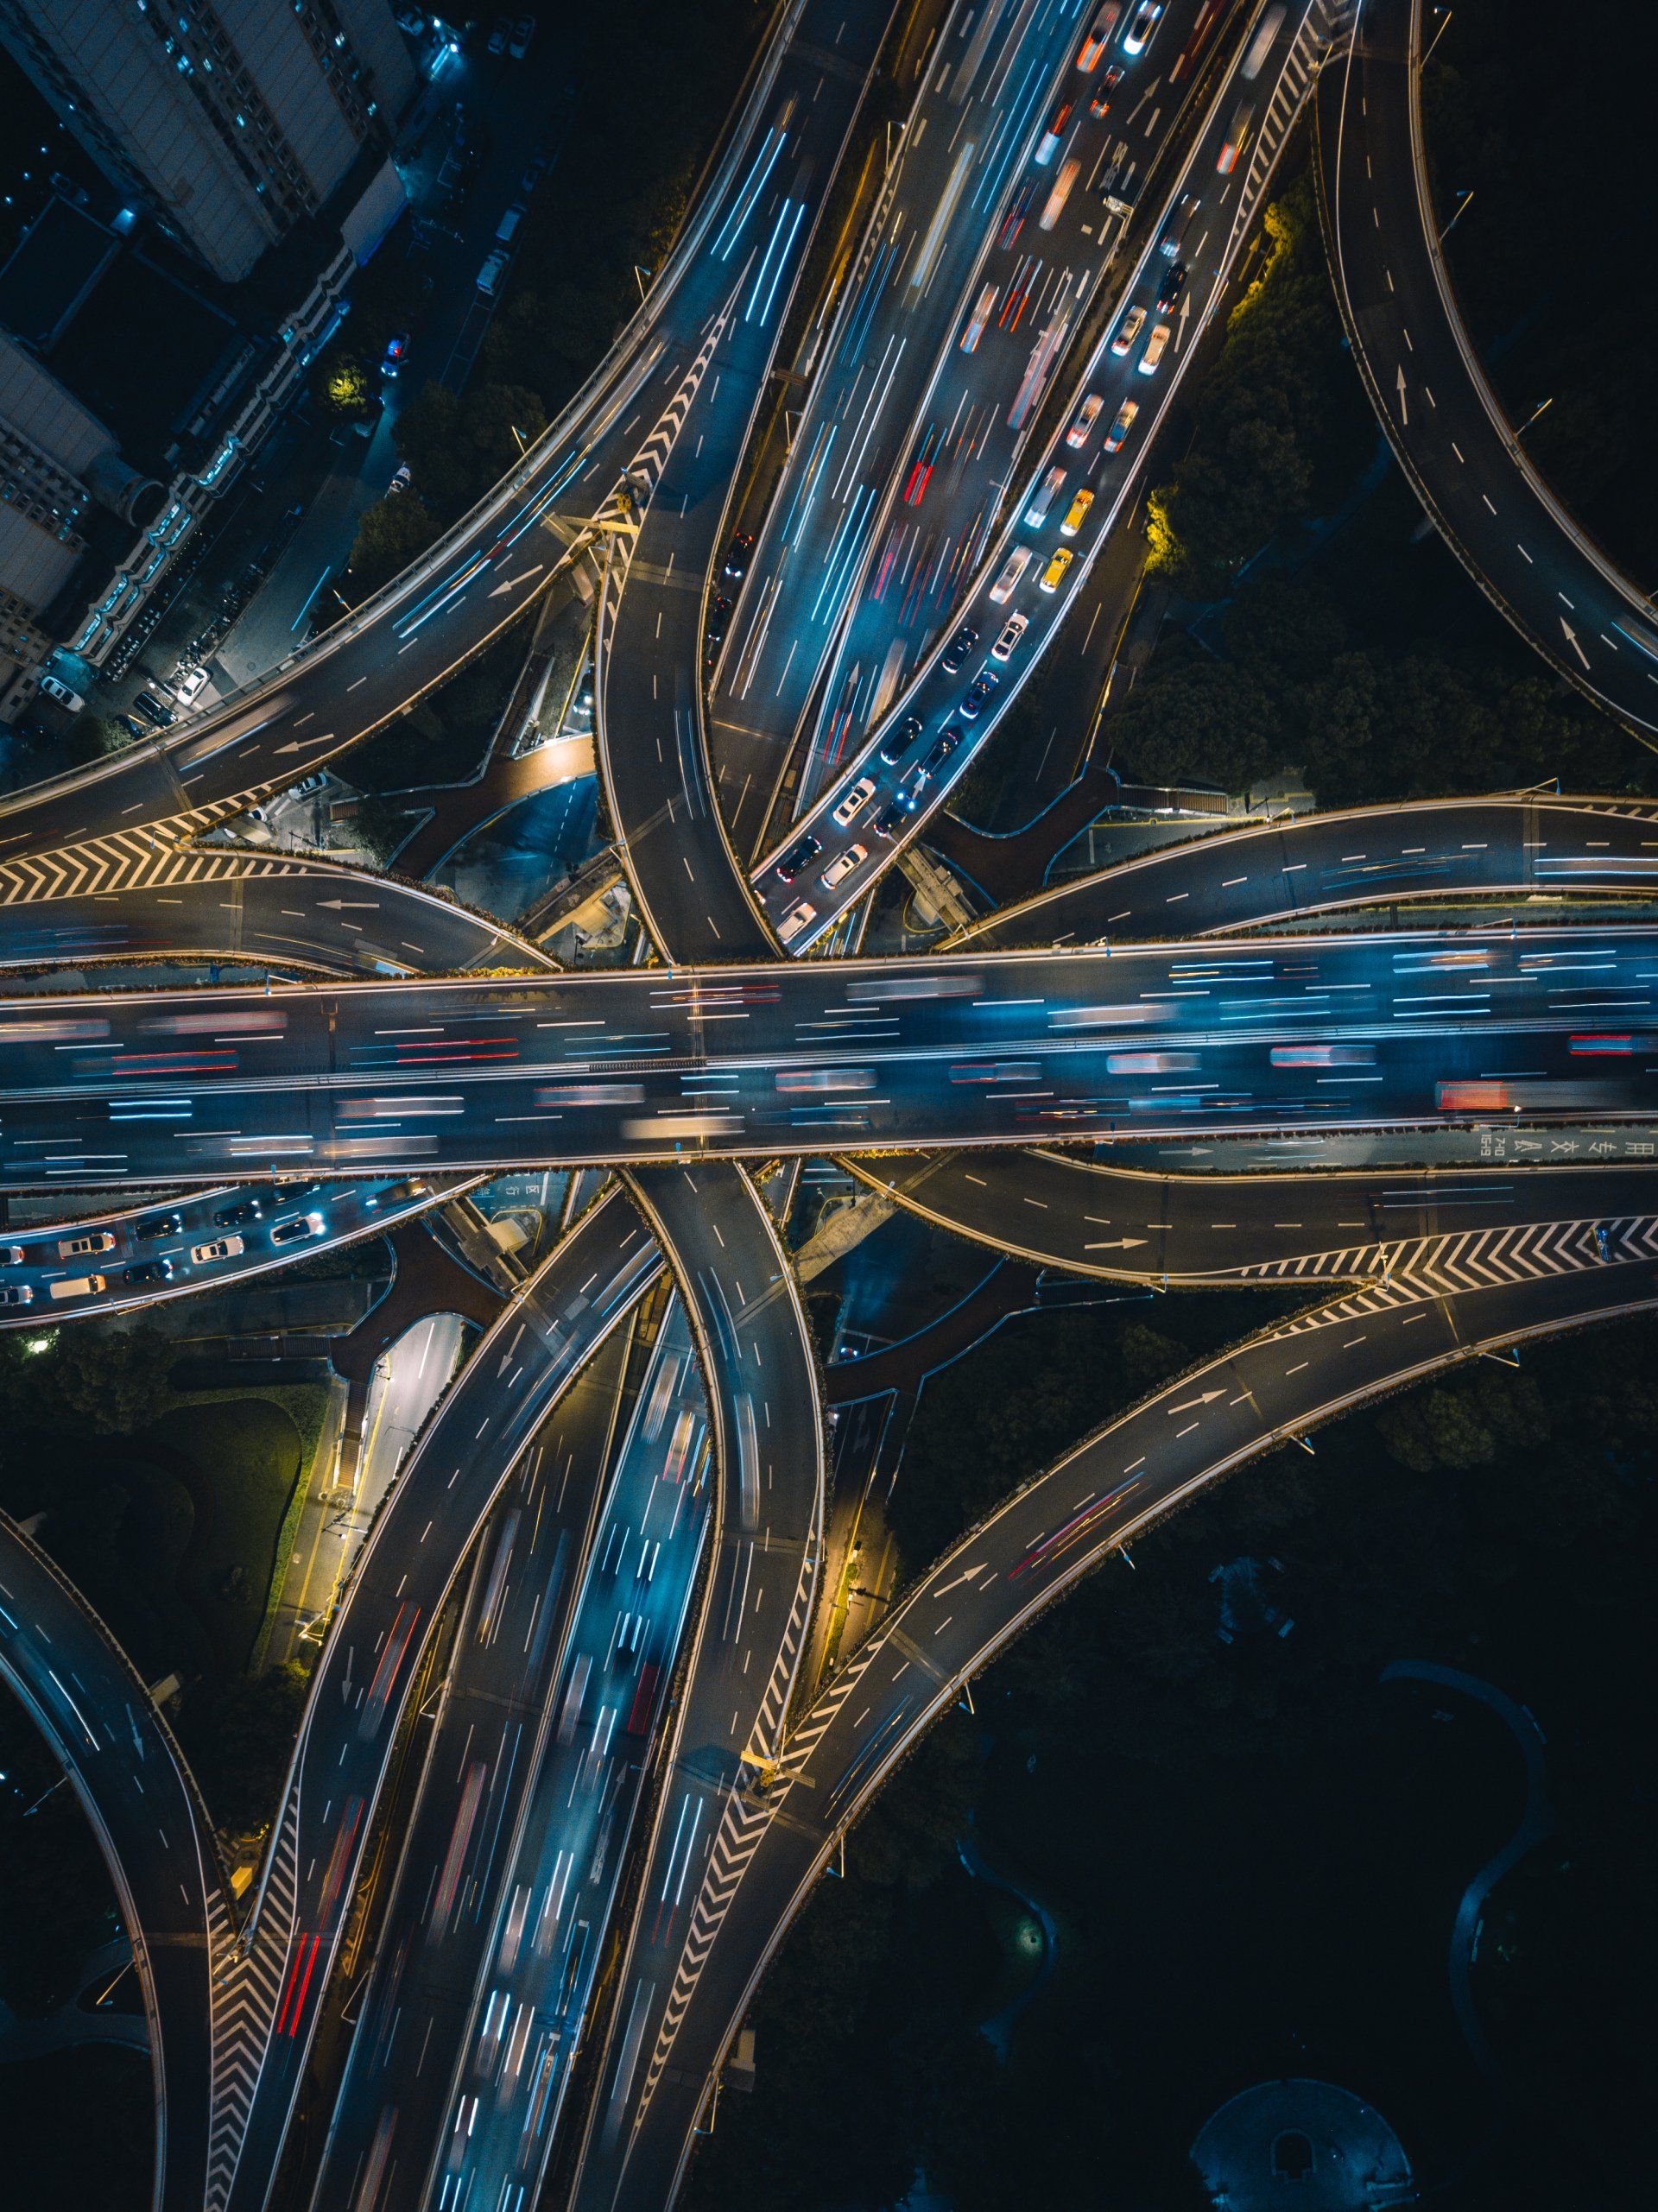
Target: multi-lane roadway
[{"x": 618, "y": 1770}]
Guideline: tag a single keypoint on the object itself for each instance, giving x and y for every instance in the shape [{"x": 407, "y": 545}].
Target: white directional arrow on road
[
  {"x": 350, "y": 906},
  {"x": 299, "y": 745},
  {"x": 1191, "y": 1402},
  {"x": 511, "y": 583},
  {"x": 1186, "y": 309},
  {"x": 965, "y": 1575},
  {"x": 1118, "y": 1244},
  {"x": 1572, "y": 640},
  {"x": 1404, "y": 410}
]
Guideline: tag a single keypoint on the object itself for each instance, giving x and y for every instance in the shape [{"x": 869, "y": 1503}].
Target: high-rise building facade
[{"x": 230, "y": 120}]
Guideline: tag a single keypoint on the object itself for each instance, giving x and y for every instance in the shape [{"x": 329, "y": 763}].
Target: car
[
  {"x": 1013, "y": 631},
  {"x": 1120, "y": 426},
  {"x": 412, "y": 20},
  {"x": 152, "y": 1230},
  {"x": 799, "y": 854},
  {"x": 1261, "y": 44},
  {"x": 401, "y": 479},
  {"x": 78, "y": 1286},
  {"x": 1098, "y": 37},
  {"x": 948, "y": 739},
  {"x": 1101, "y": 102},
  {"x": 244, "y": 1211},
  {"x": 398, "y": 1194},
  {"x": 16, "y": 1294},
  {"x": 1154, "y": 353},
  {"x": 739, "y": 553},
  {"x": 898, "y": 739},
  {"x": 153, "y": 710},
  {"x": 307, "y": 786},
  {"x": 149, "y": 1271},
  {"x": 524, "y": 37},
  {"x": 1037, "y": 513},
  {"x": 842, "y": 865},
  {"x": 1053, "y": 207},
  {"x": 910, "y": 790},
  {"x": 795, "y": 920},
  {"x": 12, "y": 1255},
  {"x": 131, "y": 724},
  {"x": 61, "y": 692},
  {"x": 508, "y": 224},
  {"x": 297, "y": 1230},
  {"x": 890, "y": 820},
  {"x": 1237, "y": 137},
  {"x": 955, "y": 652},
  {"x": 1074, "y": 514},
  {"x": 82, "y": 1247},
  {"x": 977, "y": 693},
  {"x": 217, "y": 1247},
  {"x": 1128, "y": 330},
  {"x": 1142, "y": 26},
  {"x": 861, "y": 793},
  {"x": 490, "y": 276},
  {"x": 396, "y": 352},
  {"x": 1018, "y": 562},
  {"x": 286, "y": 1194},
  {"x": 1048, "y": 144},
  {"x": 1053, "y": 574},
  {"x": 533, "y": 175},
  {"x": 186, "y": 682},
  {"x": 719, "y": 614},
  {"x": 1172, "y": 285},
  {"x": 500, "y": 33},
  {"x": 1014, "y": 221},
  {"x": 1174, "y": 234},
  {"x": 1092, "y": 409},
  {"x": 980, "y": 316}
]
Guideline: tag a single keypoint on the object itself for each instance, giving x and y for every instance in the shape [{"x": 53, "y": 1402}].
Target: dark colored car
[
  {"x": 948, "y": 740},
  {"x": 238, "y": 1216},
  {"x": 158, "y": 1226},
  {"x": 160, "y": 714},
  {"x": 958, "y": 648},
  {"x": 898, "y": 740},
  {"x": 978, "y": 692},
  {"x": 737, "y": 554},
  {"x": 891, "y": 819},
  {"x": 399, "y": 1194},
  {"x": 806, "y": 849},
  {"x": 396, "y": 353},
  {"x": 150, "y": 1271},
  {"x": 1171, "y": 287}
]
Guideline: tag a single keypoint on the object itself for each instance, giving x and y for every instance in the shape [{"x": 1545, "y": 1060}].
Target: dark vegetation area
[
  {"x": 590, "y": 221},
  {"x": 1312, "y": 628},
  {"x": 1546, "y": 122},
  {"x": 166, "y": 1511},
  {"x": 1251, "y": 1852}
]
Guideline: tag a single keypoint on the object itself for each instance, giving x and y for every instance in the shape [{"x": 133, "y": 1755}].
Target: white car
[
  {"x": 1137, "y": 37},
  {"x": 1129, "y": 329},
  {"x": 840, "y": 867},
  {"x": 296, "y": 1231},
  {"x": 860, "y": 795},
  {"x": 1153, "y": 352},
  {"x": 1018, "y": 562},
  {"x": 490, "y": 276},
  {"x": 217, "y": 1247},
  {"x": 62, "y": 693},
  {"x": 1015, "y": 628},
  {"x": 795, "y": 920}
]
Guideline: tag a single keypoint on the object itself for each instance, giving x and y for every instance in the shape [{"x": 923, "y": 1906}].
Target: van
[
  {"x": 79, "y": 1286},
  {"x": 1018, "y": 562},
  {"x": 508, "y": 224},
  {"x": 1037, "y": 513},
  {"x": 490, "y": 276}
]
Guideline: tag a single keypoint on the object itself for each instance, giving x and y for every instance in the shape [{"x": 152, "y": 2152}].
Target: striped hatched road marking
[
  {"x": 1474, "y": 1259},
  {"x": 246, "y": 1994}
]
